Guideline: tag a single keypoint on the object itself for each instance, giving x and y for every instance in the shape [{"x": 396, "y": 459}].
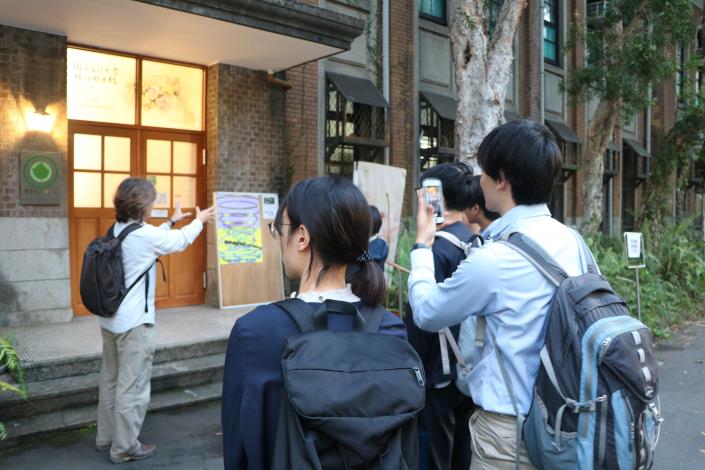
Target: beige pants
[
  {"x": 493, "y": 439},
  {"x": 123, "y": 397}
]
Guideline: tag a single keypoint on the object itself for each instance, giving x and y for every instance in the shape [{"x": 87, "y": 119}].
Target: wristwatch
[{"x": 419, "y": 245}]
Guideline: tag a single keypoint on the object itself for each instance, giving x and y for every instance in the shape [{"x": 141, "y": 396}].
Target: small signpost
[{"x": 636, "y": 260}]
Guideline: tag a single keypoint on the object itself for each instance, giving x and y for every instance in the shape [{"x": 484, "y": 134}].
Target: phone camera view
[{"x": 433, "y": 199}]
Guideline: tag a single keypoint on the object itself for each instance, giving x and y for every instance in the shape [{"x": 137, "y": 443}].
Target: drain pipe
[
  {"x": 277, "y": 81},
  {"x": 385, "y": 71}
]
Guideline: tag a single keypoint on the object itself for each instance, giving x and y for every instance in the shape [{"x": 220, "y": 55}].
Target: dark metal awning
[
  {"x": 357, "y": 90},
  {"x": 445, "y": 106},
  {"x": 562, "y": 131},
  {"x": 510, "y": 116},
  {"x": 636, "y": 147},
  {"x": 614, "y": 147}
]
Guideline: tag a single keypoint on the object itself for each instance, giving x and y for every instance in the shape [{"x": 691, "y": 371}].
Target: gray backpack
[{"x": 595, "y": 402}]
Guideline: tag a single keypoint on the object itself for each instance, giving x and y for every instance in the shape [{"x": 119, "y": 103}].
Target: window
[
  {"x": 436, "y": 137},
  {"x": 550, "y": 31},
  {"x": 492, "y": 10},
  {"x": 354, "y": 132},
  {"x": 434, "y": 10},
  {"x": 680, "y": 73}
]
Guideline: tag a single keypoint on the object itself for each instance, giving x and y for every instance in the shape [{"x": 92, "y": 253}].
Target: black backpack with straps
[
  {"x": 350, "y": 398},
  {"x": 102, "y": 283}
]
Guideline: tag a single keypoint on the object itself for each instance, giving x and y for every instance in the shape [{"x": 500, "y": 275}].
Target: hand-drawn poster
[{"x": 239, "y": 228}]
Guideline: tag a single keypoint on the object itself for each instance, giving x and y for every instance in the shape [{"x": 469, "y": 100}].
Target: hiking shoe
[
  {"x": 102, "y": 448},
  {"x": 145, "y": 451}
]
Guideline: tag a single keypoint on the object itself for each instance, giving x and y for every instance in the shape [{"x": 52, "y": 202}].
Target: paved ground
[
  {"x": 187, "y": 439},
  {"x": 682, "y": 390}
]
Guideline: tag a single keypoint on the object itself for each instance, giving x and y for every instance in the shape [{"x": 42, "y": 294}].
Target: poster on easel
[
  {"x": 383, "y": 186},
  {"x": 248, "y": 258}
]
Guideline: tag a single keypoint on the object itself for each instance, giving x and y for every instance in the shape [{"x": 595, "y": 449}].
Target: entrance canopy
[{"x": 255, "y": 34}]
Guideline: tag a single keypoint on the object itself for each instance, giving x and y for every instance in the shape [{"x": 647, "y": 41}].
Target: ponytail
[{"x": 367, "y": 281}]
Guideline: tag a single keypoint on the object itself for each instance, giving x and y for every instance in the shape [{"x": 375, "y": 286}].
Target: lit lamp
[{"x": 39, "y": 121}]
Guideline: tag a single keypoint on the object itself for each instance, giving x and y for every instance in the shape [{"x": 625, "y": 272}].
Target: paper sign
[
  {"x": 160, "y": 213},
  {"x": 239, "y": 228},
  {"x": 270, "y": 204},
  {"x": 633, "y": 243}
]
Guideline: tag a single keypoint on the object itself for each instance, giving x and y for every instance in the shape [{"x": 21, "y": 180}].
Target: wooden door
[
  {"x": 173, "y": 162},
  {"x": 100, "y": 157}
]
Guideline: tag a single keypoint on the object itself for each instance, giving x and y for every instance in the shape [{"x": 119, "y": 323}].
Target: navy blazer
[{"x": 252, "y": 384}]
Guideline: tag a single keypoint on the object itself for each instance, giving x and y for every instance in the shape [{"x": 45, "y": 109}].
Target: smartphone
[{"x": 433, "y": 194}]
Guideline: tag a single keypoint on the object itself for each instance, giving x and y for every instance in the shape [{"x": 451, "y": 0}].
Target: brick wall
[
  {"x": 34, "y": 255},
  {"x": 32, "y": 76},
  {"x": 301, "y": 123},
  {"x": 402, "y": 93},
  {"x": 245, "y": 140}
]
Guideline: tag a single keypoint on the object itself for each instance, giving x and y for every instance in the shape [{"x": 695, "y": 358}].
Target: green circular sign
[{"x": 40, "y": 172}]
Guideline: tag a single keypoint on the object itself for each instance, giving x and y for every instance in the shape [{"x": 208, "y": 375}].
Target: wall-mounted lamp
[{"x": 39, "y": 120}]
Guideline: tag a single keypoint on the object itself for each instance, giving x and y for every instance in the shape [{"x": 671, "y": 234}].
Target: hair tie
[{"x": 364, "y": 257}]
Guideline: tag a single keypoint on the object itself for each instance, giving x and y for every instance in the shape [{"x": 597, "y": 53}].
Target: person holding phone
[
  {"x": 443, "y": 421},
  {"x": 520, "y": 161},
  {"x": 128, "y": 336}
]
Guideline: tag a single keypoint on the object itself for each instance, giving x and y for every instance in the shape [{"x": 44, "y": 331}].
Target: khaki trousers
[
  {"x": 123, "y": 396},
  {"x": 493, "y": 438}
]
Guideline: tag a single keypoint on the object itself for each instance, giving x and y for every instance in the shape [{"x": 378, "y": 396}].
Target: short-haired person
[
  {"x": 520, "y": 161},
  {"x": 477, "y": 212},
  {"x": 443, "y": 421},
  {"x": 128, "y": 336},
  {"x": 379, "y": 249},
  {"x": 323, "y": 226}
]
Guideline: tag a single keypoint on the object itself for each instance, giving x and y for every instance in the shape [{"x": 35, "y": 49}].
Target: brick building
[{"x": 351, "y": 80}]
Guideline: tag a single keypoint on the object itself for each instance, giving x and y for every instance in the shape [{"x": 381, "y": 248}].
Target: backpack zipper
[{"x": 419, "y": 377}]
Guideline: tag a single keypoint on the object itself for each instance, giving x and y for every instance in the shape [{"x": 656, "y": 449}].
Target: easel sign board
[{"x": 248, "y": 258}]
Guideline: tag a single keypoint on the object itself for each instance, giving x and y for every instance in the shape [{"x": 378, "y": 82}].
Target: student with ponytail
[{"x": 323, "y": 226}]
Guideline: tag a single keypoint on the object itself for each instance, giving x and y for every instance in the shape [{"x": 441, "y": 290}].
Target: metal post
[{"x": 638, "y": 293}]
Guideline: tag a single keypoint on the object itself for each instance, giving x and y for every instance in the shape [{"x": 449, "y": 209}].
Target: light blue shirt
[{"x": 498, "y": 283}]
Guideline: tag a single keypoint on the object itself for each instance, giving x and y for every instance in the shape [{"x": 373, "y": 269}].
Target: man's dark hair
[
  {"x": 132, "y": 197},
  {"x": 455, "y": 179},
  {"x": 526, "y": 154},
  {"x": 477, "y": 197},
  {"x": 375, "y": 220}
]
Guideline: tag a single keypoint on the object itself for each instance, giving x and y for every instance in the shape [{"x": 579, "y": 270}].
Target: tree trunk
[
  {"x": 599, "y": 136},
  {"x": 482, "y": 70}
]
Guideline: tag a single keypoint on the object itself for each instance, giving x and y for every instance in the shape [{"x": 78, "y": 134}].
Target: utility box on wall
[{"x": 40, "y": 178}]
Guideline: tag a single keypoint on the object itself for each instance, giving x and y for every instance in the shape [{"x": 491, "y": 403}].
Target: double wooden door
[{"x": 100, "y": 157}]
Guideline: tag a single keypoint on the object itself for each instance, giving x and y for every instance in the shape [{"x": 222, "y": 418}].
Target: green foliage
[
  {"x": 673, "y": 283},
  {"x": 628, "y": 47},
  {"x": 10, "y": 359},
  {"x": 407, "y": 236}
]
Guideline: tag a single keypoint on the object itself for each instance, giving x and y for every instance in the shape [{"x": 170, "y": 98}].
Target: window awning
[
  {"x": 562, "y": 131},
  {"x": 445, "y": 106},
  {"x": 510, "y": 116},
  {"x": 636, "y": 147},
  {"x": 357, "y": 90}
]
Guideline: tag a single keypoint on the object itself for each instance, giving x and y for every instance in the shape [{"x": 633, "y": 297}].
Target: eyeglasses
[{"x": 274, "y": 230}]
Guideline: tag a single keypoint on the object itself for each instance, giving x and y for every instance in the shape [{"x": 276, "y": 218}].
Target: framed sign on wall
[{"x": 40, "y": 178}]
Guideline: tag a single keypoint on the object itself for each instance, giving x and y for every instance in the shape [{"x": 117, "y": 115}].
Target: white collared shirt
[
  {"x": 140, "y": 249},
  {"x": 498, "y": 283},
  {"x": 344, "y": 295}
]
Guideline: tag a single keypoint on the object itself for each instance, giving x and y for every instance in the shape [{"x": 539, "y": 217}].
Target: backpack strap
[
  {"x": 535, "y": 255},
  {"x": 125, "y": 232},
  {"x": 300, "y": 313},
  {"x": 373, "y": 317},
  {"x": 586, "y": 253},
  {"x": 465, "y": 247}
]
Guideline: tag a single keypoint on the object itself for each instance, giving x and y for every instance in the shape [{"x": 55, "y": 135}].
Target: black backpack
[
  {"x": 595, "y": 400},
  {"x": 103, "y": 277},
  {"x": 350, "y": 397}
]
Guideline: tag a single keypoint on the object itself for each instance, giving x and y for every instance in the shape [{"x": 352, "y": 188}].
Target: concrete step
[
  {"x": 65, "y": 392},
  {"x": 23, "y": 429},
  {"x": 90, "y": 363}
]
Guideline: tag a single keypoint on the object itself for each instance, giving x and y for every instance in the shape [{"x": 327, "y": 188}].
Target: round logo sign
[{"x": 40, "y": 172}]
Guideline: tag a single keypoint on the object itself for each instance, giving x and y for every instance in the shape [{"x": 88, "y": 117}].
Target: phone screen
[{"x": 434, "y": 198}]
